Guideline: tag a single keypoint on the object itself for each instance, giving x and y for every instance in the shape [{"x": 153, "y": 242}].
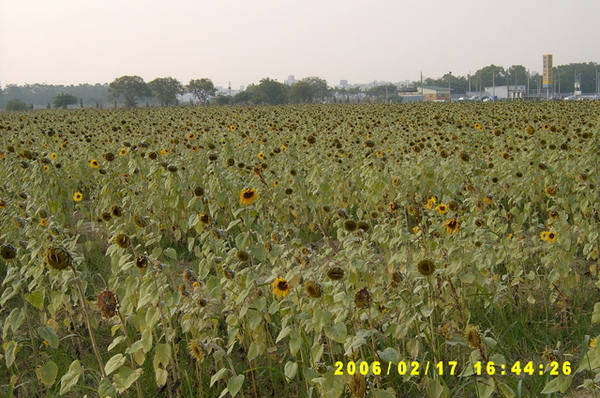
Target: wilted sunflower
[
  {"x": 452, "y": 225},
  {"x": 140, "y": 221},
  {"x": 8, "y": 252},
  {"x": 117, "y": 211},
  {"x": 350, "y": 225},
  {"x": 473, "y": 336},
  {"x": 122, "y": 241},
  {"x": 141, "y": 261},
  {"x": 108, "y": 303},
  {"x": 109, "y": 156},
  {"x": 248, "y": 196},
  {"x": 363, "y": 298},
  {"x": 197, "y": 350},
  {"x": 242, "y": 255},
  {"x": 204, "y": 218},
  {"x": 335, "y": 273},
  {"x": 94, "y": 164},
  {"x": 358, "y": 386},
  {"x": 58, "y": 258},
  {"x": 281, "y": 287},
  {"x": 425, "y": 267},
  {"x": 77, "y": 196},
  {"x": 313, "y": 289}
]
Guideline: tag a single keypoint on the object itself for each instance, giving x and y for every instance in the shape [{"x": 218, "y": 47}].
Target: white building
[{"x": 506, "y": 92}]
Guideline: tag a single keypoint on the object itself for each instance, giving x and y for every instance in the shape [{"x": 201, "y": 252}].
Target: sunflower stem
[{"x": 88, "y": 322}]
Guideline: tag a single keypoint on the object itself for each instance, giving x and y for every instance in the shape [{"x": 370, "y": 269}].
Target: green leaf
[
  {"x": 389, "y": 355},
  {"x": 283, "y": 334},
  {"x": 125, "y": 377},
  {"x": 36, "y": 299},
  {"x": 70, "y": 379},
  {"x": 235, "y": 384},
  {"x": 290, "y": 370},
  {"x": 596, "y": 313},
  {"x": 47, "y": 373},
  {"x": 218, "y": 376},
  {"x": 161, "y": 377},
  {"x": 114, "y": 363},
  {"x": 559, "y": 384},
  {"x": 171, "y": 253},
  {"x": 106, "y": 389},
  {"x": 162, "y": 355},
  {"x": 337, "y": 332},
  {"x": 10, "y": 352},
  {"x": 47, "y": 333}
]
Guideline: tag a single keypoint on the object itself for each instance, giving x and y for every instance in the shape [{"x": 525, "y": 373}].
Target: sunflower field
[{"x": 401, "y": 250}]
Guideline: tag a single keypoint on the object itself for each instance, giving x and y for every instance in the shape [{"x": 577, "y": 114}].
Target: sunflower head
[
  {"x": 313, "y": 289},
  {"x": 442, "y": 208},
  {"x": 58, "y": 258},
  {"x": 108, "y": 303},
  {"x": 248, "y": 196},
  {"x": 335, "y": 273},
  {"x": 363, "y": 298},
  {"x": 122, "y": 241},
  {"x": 452, "y": 225},
  {"x": 8, "y": 252},
  {"x": 141, "y": 261},
  {"x": 473, "y": 336},
  {"x": 242, "y": 255},
  {"x": 281, "y": 287},
  {"x": 197, "y": 350},
  {"x": 94, "y": 164},
  {"x": 426, "y": 267},
  {"x": 77, "y": 196}
]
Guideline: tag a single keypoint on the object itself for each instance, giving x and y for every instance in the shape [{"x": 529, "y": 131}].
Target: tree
[
  {"x": 63, "y": 100},
  {"x": 166, "y": 90},
  {"x": 269, "y": 91},
  {"x": 489, "y": 76},
  {"x": 384, "y": 92},
  {"x": 516, "y": 75},
  {"x": 131, "y": 88},
  {"x": 17, "y": 105},
  {"x": 301, "y": 92},
  {"x": 203, "y": 89}
]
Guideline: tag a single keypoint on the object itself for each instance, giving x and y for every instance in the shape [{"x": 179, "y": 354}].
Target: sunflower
[
  {"x": 473, "y": 336},
  {"x": 358, "y": 386},
  {"x": 548, "y": 236},
  {"x": 164, "y": 151},
  {"x": 350, "y": 225},
  {"x": 416, "y": 230},
  {"x": 452, "y": 225},
  {"x": 232, "y": 127},
  {"x": 261, "y": 156},
  {"x": 335, "y": 273},
  {"x": 242, "y": 255},
  {"x": 431, "y": 203},
  {"x": 204, "y": 218},
  {"x": 442, "y": 208},
  {"x": 44, "y": 222},
  {"x": 363, "y": 298},
  {"x": 281, "y": 287},
  {"x": 53, "y": 156},
  {"x": 122, "y": 241},
  {"x": 77, "y": 196},
  {"x": 248, "y": 196},
  {"x": 197, "y": 350},
  {"x": 58, "y": 258},
  {"x": 123, "y": 151},
  {"x": 108, "y": 303},
  {"x": 141, "y": 261},
  {"x": 313, "y": 289},
  {"x": 2, "y": 204},
  {"x": 426, "y": 267},
  {"x": 8, "y": 252},
  {"x": 109, "y": 156},
  {"x": 94, "y": 164}
]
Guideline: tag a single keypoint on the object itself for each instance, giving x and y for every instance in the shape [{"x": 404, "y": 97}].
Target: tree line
[{"x": 129, "y": 91}]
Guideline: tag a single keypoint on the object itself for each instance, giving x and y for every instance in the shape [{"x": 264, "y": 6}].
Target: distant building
[
  {"x": 343, "y": 83},
  {"x": 290, "y": 80},
  {"x": 506, "y": 92},
  {"x": 435, "y": 93}
]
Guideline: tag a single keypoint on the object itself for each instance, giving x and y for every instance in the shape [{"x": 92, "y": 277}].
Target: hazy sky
[{"x": 242, "y": 41}]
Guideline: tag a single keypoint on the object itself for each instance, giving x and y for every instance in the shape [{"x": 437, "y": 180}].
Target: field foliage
[{"x": 258, "y": 251}]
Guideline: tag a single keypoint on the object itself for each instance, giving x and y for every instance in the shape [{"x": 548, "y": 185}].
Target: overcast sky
[{"x": 242, "y": 41}]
